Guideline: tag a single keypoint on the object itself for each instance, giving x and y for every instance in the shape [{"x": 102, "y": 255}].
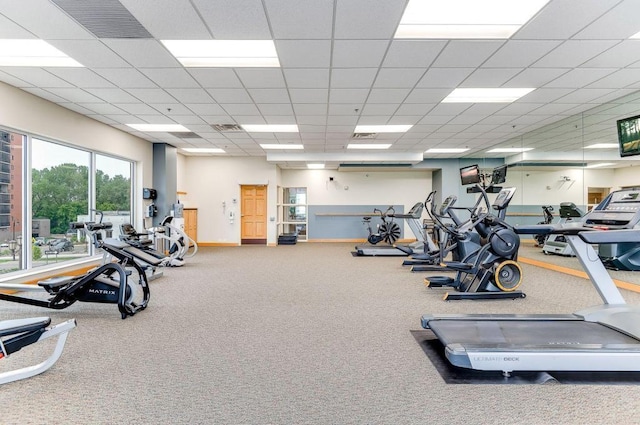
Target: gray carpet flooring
[{"x": 303, "y": 334}]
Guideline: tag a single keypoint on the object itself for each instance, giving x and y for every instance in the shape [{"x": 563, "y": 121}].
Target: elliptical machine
[
  {"x": 491, "y": 272},
  {"x": 547, "y": 211},
  {"x": 558, "y": 244}
]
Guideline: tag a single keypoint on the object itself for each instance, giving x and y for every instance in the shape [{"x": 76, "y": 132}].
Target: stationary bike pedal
[{"x": 438, "y": 281}]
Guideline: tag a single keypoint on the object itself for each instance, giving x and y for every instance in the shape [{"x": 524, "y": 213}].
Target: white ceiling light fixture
[
  {"x": 203, "y": 150},
  {"x": 486, "y": 95},
  {"x": 382, "y": 128},
  {"x": 446, "y": 150},
  {"x": 368, "y": 146},
  {"x": 177, "y": 128},
  {"x": 509, "y": 150},
  {"x": 224, "y": 53},
  {"x": 270, "y": 128},
  {"x": 601, "y": 164},
  {"x": 602, "y": 146},
  {"x": 635, "y": 36},
  {"x": 281, "y": 146},
  {"x": 466, "y": 18},
  {"x": 315, "y": 166},
  {"x": 33, "y": 53}
]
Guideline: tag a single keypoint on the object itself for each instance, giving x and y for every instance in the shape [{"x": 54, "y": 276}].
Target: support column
[{"x": 165, "y": 179}]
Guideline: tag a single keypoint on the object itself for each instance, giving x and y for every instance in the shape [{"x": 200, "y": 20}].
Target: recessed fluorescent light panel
[
  {"x": 368, "y": 146},
  {"x": 485, "y": 95},
  {"x": 203, "y": 150},
  {"x": 224, "y": 53},
  {"x": 509, "y": 150},
  {"x": 602, "y": 146},
  {"x": 33, "y": 53},
  {"x": 281, "y": 146},
  {"x": 270, "y": 128},
  {"x": 635, "y": 36},
  {"x": 466, "y": 18},
  {"x": 382, "y": 128},
  {"x": 446, "y": 150},
  {"x": 315, "y": 166},
  {"x": 602, "y": 164},
  {"x": 159, "y": 127}
]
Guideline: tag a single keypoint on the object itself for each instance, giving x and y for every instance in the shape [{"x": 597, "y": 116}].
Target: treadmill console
[
  {"x": 503, "y": 198},
  {"x": 620, "y": 210},
  {"x": 448, "y": 202}
]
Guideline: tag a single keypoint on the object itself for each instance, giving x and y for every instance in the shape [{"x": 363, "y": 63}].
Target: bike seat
[
  {"x": 17, "y": 326},
  {"x": 366, "y": 218},
  {"x": 56, "y": 282}
]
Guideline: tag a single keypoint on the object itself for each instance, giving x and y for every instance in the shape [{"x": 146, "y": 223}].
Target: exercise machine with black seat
[
  {"x": 619, "y": 210},
  {"x": 547, "y": 212},
  {"x": 604, "y": 337},
  {"x": 492, "y": 272},
  {"x": 121, "y": 281},
  {"x": 389, "y": 231},
  {"x": 557, "y": 244},
  {"x": 17, "y": 334}
]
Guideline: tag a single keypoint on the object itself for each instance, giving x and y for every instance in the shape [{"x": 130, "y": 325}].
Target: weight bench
[{"x": 17, "y": 334}]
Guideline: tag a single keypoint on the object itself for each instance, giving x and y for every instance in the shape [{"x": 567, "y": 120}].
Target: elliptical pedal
[{"x": 438, "y": 281}]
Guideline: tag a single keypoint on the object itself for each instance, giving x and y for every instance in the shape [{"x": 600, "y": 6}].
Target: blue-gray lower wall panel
[{"x": 323, "y": 225}]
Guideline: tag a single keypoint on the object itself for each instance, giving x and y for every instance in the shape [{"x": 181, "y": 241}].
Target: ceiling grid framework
[{"x": 340, "y": 66}]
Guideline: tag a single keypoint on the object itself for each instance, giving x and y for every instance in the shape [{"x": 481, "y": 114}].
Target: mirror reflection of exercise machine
[
  {"x": 557, "y": 244},
  {"x": 619, "y": 210}
]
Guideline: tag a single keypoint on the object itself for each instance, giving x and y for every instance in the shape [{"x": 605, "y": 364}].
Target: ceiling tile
[
  {"x": 44, "y": 19},
  {"x": 412, "y": 53},
  {"x": 310, "y": 108},
  {"x": 81, "y": 77},
  {"x": 490, "y": 77},
  {"x": 261, "y": 78},
  {"x": 311, "y": 119},
  {"x": 90, "y": 53},
  {"x": 621, "y": 55},
  {"x": 75, "y": 95},
  {"x": 308, "y": 95},
  {"x": 102, "y": 108},
  {"x": 380, "y": 108},
  {"x": 345, "y": 108},
  {"x": 44, "y": 94},
  {"x": 358, "y": 19},
  {"x": 113, "y": 95},
  {"x": 171, "y": 109},
  {"x": 215, "y": 77},
  {"x": 304, "y": 53},
  {"x": 398, "y": 77},
  {"x": 387, "y": 95},
  {"x": 307, "y": 78},
  {"x": 535, "y": 77},
  {"x": 427, "y": 95},
  {"x": 622, "y": 78},
  {"x": 356, "y": 96},
  {"x": 203, "y": 109},
  {"x": 269, "y": 95},
  {"x": 151, "y": 95},
  {"x": 170, "y": 77},
  {"x": 126, "y": 78},
  {"x": 289, "y": 20},
  {"x": 353, "y": 77},
  {"x": 415, "y": 108},
  {"x": 234, "y": 109},
  {"x": 190, "y": 95},
  {"x": 466, "y": 53},
  {"x": 358, "y": 53},
  {"x": 136, "y": 108},
  {"x": 36, "y": 77},
  {"x": 444, "y": 77},
  {"x": 235, "y": 19},
  {"x": 168, "y": 19},
  {"x": 562, "y": 19},
  {"x": 573, "y": 53},
  {"x": 621, "y": 22},
  {"x": 520, "y": 53},
  {"x": 143, "y": 53},
  {"x": 275, "y": 109},
  {"x": 230, "y": 95},
  {"x": 579, "y": 77}
]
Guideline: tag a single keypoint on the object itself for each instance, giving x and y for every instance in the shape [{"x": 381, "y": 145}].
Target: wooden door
[
  {"x": 191, "y": 223},
  {"x": 253, "y": 214}
]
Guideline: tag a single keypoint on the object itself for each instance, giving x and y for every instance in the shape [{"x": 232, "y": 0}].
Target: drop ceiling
[{"x": 340, "y": 67}]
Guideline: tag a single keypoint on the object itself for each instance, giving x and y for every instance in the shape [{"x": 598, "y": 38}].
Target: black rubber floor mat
[{"x": 456, "y": 375}]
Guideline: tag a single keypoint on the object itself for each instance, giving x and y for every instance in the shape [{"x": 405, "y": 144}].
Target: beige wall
[{"x": 26, "y": 113}]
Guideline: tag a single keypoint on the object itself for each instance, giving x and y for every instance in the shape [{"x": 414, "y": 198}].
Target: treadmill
[
  {"x": 601, "y": 338},
  {"x": 413, "y": 219}
]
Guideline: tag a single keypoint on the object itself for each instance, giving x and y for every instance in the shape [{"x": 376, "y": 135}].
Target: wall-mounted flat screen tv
[
  {"x": 629, "y": 136},
  {"x": 470, "y": 174}
]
